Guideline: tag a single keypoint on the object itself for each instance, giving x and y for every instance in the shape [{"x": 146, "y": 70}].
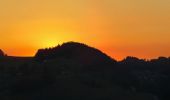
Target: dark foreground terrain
[{"x": 75, "y": 71}]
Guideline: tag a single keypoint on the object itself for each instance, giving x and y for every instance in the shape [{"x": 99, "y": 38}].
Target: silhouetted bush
[{"x": 1, "y": 53}]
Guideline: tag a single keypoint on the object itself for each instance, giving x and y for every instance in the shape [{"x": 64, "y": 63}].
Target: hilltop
[{"x": 75, "y": 51}]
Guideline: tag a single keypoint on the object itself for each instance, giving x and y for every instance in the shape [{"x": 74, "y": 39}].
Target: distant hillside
[
  {"x": 76, "y": 52},
  {"x": 79, "y": 72}
]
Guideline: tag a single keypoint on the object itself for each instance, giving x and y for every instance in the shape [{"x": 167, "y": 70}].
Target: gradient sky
[{"x": 119, "y": 28}]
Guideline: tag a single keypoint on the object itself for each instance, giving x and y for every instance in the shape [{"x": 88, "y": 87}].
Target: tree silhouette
[{"x": 1, "y": 53}]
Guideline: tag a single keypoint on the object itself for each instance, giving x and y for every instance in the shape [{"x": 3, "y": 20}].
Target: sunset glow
[{"x": 119, "y": 28}]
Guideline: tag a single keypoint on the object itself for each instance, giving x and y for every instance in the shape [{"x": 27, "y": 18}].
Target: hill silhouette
[
  {"x": 79, "y": 72},
  {"x": 75, "y": 51}
]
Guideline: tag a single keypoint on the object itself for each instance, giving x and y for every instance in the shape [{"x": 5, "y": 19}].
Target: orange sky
[{"x": 119, "y": 28}]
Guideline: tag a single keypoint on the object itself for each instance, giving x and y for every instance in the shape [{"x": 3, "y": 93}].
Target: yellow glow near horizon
[{"x": 117, "y": 27}]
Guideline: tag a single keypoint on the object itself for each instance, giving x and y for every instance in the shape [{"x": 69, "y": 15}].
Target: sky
[{"x": 120, "y": 28}]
